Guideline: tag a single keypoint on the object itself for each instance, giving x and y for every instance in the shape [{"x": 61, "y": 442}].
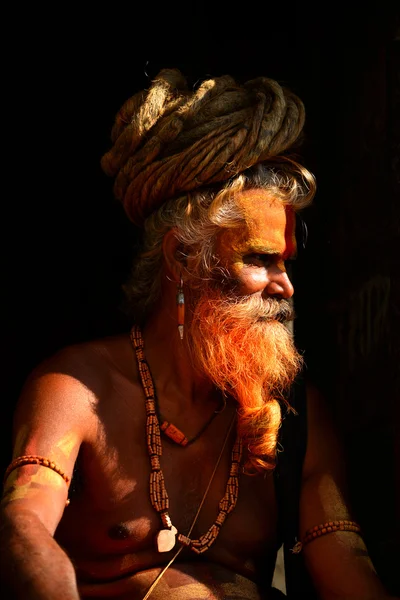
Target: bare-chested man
[{"x": 160, "y": 444}]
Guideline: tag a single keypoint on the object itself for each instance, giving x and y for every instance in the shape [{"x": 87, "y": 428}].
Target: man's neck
[{"x": 171, "y": 366}]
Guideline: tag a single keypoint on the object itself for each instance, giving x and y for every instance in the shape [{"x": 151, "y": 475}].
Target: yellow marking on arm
[
  {"x": 67, "y": 444},
  {"x": 19, "y": 492},
  {"x": 20, "y": 441},
  {"x": 19, "y": 484}
]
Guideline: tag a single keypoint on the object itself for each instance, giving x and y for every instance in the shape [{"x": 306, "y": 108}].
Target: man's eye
[{"x": 258, "y": 260}]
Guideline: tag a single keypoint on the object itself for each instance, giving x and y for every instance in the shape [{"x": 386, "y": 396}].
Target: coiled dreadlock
[{"x": 168, "y": 140}]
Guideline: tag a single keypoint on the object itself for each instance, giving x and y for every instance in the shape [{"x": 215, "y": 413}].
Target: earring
[{"x": 180, "y": 302}]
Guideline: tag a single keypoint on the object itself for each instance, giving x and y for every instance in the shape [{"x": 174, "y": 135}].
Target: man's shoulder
[
  {"x": 89, "y": 365},
  {"x": 89, "y": 353}
]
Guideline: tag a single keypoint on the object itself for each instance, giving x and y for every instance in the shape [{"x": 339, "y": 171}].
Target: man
[{"x": 169, "y": 433}]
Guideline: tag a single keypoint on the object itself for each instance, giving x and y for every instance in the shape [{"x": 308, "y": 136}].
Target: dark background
[{"x": 68, "y": 244}]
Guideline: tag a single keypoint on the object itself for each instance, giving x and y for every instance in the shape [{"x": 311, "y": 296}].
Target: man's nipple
[{"x": 119, "y": 532}]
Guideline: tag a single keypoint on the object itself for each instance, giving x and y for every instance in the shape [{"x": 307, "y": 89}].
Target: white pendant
[{"x": 166, "y": 539}]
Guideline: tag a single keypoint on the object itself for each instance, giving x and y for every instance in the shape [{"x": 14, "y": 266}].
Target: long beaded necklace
[{"x": 167, "y": 536}]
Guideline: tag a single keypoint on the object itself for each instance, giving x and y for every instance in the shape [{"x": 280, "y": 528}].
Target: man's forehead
[
  {"x": 267, "y": 219},
  {"x": 269, "y": 225},
  {"x": 255, "y": 202}
]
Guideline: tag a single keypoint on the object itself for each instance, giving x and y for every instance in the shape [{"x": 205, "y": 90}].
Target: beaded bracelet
[
  {"x": 323, "y": 529},
  {"x": 31, "y": 459}
]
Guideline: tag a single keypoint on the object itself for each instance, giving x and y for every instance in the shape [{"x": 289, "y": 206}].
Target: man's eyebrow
[
  {"x": 270, "y": 250},
  {"x": 254, "y": 248}
]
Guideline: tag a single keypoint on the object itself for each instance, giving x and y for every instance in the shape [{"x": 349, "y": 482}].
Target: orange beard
[{"x": 240, "y": 344}]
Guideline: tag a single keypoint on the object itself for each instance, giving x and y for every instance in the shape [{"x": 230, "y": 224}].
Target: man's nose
[{"x": 279, "y": 283}]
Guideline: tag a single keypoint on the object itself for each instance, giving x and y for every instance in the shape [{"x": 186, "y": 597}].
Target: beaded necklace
[{"x": 167, "y": 536}]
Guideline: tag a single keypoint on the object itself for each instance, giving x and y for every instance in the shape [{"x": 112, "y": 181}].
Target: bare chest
[{"x": 111, "y": 524}]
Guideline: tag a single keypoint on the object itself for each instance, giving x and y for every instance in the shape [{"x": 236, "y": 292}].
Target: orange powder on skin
[{"x": 269, "y": 228}]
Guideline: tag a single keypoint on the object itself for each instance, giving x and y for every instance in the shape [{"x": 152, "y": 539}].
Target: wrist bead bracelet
[
  {"x": 323, "y": 529},
  {"x": 31, "y": 459}
]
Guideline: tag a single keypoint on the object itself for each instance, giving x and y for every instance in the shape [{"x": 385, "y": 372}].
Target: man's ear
[{"x": 173, "y": 256}]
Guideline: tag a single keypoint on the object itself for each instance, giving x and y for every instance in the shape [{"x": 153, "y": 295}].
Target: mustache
[{"x": 260, "y": 309}]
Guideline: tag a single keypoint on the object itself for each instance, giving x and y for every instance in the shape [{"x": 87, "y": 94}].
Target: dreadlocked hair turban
[{"x": 169, "y": 140}]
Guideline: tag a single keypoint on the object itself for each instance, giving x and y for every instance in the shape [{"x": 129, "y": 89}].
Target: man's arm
[
  {"x": 33, "y": 566},
  {"x": 338, "y": 562},
  {"x": 52, "y": 419}
]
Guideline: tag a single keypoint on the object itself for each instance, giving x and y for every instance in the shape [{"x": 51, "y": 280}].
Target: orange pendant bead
[{"x": 174, "y": 433}]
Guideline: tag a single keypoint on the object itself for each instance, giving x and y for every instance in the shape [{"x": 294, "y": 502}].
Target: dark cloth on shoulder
[{"x": 292, "y": 448}]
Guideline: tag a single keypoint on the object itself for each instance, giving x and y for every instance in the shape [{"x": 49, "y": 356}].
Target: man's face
[
  {"x": 238, "y": 336},
  {"x": 254, "y": 254}
]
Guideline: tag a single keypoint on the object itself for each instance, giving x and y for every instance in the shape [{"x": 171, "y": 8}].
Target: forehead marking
[{"x": 270, "y": 225}]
